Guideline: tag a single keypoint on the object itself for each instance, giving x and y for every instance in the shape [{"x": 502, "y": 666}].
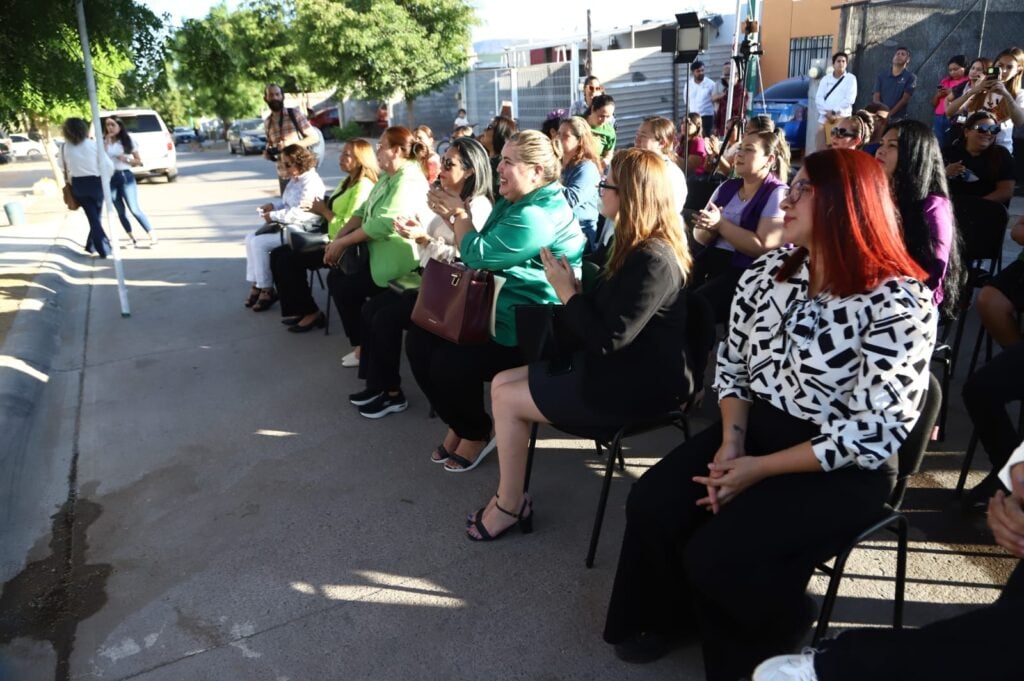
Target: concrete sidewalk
[{"x": 219, "y": 511}]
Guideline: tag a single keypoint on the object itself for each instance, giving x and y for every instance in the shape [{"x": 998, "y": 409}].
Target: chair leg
[
  {"x": 901, "y": 572},
  {"x": 830, "y": 598},
  {"x": 958, "y": 339},
  {"x": 614, "y": 452},
  {"x": 327, "y": 303},
  {"x": 685, "y": 425},
  {"x": 968, "y": 459},
  {"x": 529, "y": 457},
  {"x": 944, "y": 405}
]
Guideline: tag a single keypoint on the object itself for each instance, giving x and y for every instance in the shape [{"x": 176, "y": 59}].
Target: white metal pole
[
  {"x": 733, "y": 66},
  {"x": 90, "y": 83}
]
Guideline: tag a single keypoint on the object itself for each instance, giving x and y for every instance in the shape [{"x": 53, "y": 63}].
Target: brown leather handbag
[
  {"x": 455, "y": 302},
  {"x": 69, "y": 199}
]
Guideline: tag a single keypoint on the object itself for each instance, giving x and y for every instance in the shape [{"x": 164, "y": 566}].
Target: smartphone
[
  {"x": 991, "y": 73},
  {"x": 436, "y": 184}
]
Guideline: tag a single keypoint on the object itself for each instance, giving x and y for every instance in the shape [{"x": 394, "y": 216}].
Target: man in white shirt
[
  {"x": 834, "y": 100},
  {"x": 978, "y": 644},
  {"x": 699, "y": 97}
]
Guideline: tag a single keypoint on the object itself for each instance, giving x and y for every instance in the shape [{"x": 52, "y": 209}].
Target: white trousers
[{"x": 257, "y": 258}]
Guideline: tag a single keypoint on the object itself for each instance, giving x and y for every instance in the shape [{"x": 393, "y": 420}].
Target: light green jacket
[
  {"x": 398, "y": 195},
  {"x": 345, "y": 205}
]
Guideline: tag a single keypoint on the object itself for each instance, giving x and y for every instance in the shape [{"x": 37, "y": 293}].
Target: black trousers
[
  {"x": 986, "y": 394},
  {"x": 738, "y": 578},
  {"x": 452, "y": 377},
  {"x": 384, "y": 318},
  {"x": 715, "y": 278},
  {"x": 289, "y": 269},
  {"x": 88, "y": 191},
  {"x": 981, "y": 644},
  {"x": 349, "y": 292}
]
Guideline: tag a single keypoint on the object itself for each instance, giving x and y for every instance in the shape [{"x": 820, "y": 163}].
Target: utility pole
[{"x": 590, "y": 47}]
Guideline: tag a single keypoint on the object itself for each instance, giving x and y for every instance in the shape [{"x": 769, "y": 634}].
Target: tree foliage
[
  {"x": 378, "y": 48},
  {"x": 45, "y": 76}
]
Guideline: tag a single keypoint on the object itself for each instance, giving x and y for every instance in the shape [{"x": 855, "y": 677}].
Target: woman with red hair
[{"x": 819, "y": 381}]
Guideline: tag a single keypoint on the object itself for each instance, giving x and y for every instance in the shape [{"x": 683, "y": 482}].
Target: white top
[
  {"x": 842, "y": 98},
  {"x": 300, "y": 190},
  {"x": 1015, "y": 458},
  {"x": 79, "y": 160},
  {"x": 116, "y": 149},
  {"x": 461, "y": 121},
  {"x": 678, "y": 180},
  {"x": 442, "y": 238},
  {"x": 699, "y": 100},
  {"x": 1005, "y": 136},
  {"x": 856, "y": 366}
]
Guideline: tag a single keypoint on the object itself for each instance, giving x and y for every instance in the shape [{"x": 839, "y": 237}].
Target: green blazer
[
  {"x": 509, "y": 246},
  {"x": 401, "y": 194},
  {"x": 346, "y": 203}
]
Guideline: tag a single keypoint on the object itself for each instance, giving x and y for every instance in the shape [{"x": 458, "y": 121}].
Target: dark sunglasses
[
  {"x": 988, "y": 128},
  {"x": 843, "y": 132},
  {"x": 602, "y": 185},
  {"x": 448, "y": 164}
]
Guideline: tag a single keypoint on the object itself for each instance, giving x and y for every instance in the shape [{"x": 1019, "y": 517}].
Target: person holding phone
[
  {"x": 742, "y": 220},
  {"x": 630, "y": 330},
  {"x": 999, "y": 92},
  {"x": 957, "y": 75}
]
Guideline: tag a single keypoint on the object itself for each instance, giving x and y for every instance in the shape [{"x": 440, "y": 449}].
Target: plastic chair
[
  {"x": 909, "y": 460},
  {"x": 701, "y": 335}
]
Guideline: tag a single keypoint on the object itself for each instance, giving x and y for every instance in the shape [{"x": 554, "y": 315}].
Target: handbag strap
[{"x": 833, "y": 88}]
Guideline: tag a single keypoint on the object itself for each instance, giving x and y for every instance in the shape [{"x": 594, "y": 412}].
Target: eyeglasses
[
  {"x": 987, "y": 128},
  {"x": 795, "y": 192},
  {"x": 448, "y": 164},
  {"x": 602, "y": 185},
  {"x": 843, "y": 132}
]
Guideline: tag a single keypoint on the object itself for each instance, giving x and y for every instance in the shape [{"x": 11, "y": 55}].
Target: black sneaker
[
  {"x": 363, "y": 397},
  {"x": 383, "y": 405}
]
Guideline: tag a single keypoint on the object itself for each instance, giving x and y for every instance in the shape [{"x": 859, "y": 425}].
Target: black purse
[
  {"x": 355, "y": 259},
  {"x": 537, "y": 333}
]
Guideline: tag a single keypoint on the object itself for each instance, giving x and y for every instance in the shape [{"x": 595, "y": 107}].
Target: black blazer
[{"x": 632, "y": 330}]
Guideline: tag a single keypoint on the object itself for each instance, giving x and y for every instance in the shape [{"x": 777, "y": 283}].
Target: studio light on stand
[{"x": 686, "y": 41}]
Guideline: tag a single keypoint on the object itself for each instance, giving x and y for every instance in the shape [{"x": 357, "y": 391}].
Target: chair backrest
[
  {"x": 912, "y": 451},
  {"x": 701, "y": 334},
  {"x": 982, "y": 227}
]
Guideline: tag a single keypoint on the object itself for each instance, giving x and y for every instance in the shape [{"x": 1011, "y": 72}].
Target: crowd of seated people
[{"x": 843, "y": 271}]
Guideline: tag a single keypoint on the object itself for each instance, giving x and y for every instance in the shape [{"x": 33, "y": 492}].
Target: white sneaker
[
  {"x": 788, "y": 668},
  {"x": 350, "y": 360}
]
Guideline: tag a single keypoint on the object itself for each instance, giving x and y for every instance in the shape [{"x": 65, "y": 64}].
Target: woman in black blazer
[{"x": 630, "y": 331}]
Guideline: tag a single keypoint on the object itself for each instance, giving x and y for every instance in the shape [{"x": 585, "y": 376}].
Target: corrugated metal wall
[
  {"x": 640, "y": 80},
  {"x": 540, "y": 90}
]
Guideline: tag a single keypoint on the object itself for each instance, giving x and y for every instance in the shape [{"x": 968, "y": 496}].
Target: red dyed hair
[{"x": 856, "y": 237}]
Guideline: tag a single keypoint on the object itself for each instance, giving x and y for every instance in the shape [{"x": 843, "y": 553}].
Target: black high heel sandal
[
  {"x": 254, "y": 295},
  {"x": 524, "y": 521}
]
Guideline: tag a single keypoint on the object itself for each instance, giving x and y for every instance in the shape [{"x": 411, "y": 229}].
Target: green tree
[
  {"x": 46, "y": 78},
  {"x": 378, "y": 48}
]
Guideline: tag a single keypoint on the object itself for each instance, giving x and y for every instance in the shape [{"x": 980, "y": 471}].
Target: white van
[{"x": 156, "y": 143}]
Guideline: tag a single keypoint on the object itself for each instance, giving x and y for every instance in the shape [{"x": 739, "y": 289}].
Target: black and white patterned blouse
[{"x": 857, "y": 366}]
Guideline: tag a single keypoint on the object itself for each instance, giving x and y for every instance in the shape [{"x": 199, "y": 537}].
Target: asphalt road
[{"x": 195, "y": 498}]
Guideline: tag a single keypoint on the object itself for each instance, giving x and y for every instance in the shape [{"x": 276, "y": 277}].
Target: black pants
[
  {"x": 349, "y": 292},
  {"x": 981, "y": 644},
  {"x": 737, "y": 578},
  {"x": 385, "y": 317},
  {"x": 88, "y": 191},
  {"x": 452, "y": 377},
  {"x": 715, "y": 278},
  {"x": 289, "y": 269},
  {"x": 986, "y": 394}
]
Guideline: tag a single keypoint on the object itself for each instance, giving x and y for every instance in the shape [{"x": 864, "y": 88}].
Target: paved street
[{"x": 193, "y": 498}]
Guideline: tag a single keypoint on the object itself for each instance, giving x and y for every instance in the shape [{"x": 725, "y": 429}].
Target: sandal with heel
[
  {"x": 254, "y": 295},
  {"x": 524, "y": 521}
]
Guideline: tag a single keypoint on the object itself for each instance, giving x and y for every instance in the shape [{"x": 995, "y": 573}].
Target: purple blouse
[{"x": 938, "y": 213}]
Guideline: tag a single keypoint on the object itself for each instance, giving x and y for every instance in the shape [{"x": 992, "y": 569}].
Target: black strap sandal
[{"x": 524, "y": 521}]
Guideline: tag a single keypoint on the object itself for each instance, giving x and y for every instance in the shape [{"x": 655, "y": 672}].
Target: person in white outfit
[
  {"x": 834, "y": 100},
  {"x": 292, "y": 208}
]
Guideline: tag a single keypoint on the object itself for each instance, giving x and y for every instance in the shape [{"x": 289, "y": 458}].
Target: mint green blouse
[{"x": 509, "y": 246}]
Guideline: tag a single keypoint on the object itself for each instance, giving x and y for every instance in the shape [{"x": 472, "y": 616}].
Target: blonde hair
[
  {"x": 664, "y": 132},
  {"x": 366, "y": 163},
  {"x": 589, "y": 150},
  {"x": 535, "y": 149},
  {"x": 646, "y": 209}
]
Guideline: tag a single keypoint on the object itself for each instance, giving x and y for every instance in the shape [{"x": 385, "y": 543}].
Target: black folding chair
[
  {"x": 327, "y": 303},
  {"x": 701, "y": 335},
  {"x": 909, "y": 461}
]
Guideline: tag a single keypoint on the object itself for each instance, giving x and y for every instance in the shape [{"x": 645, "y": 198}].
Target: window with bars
[{"x": 803, "y": 50}]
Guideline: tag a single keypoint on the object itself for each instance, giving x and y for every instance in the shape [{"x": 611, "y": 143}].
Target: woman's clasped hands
[
  {"x": 446, "y": 203},
  {"x": 560, "y": 275},
  {"x": 708, "y": 218},
  {"x": 731, "y": 472},
  {"x": 410, "y": 228}
]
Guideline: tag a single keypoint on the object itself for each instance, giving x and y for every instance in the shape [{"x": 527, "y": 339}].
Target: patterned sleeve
[
  {"x": 897, "y": 338},
  {"x": 732, "y": 378}
]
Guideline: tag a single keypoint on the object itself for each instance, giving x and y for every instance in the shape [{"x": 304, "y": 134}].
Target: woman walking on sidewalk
[
  {"x": 85, "y": 172},
  {"x": 123, "y": 189}
]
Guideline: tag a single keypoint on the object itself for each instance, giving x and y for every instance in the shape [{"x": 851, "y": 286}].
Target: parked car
[
  {"x": 154, "y": 140},
  {"x": 5, "y": 154},
  {"x": 327, "y": 118},
  {"x": 24, "y": 146},
  {"x": 247, "y": 137},
  {"x": 183, "y": 135},
  {"x": 786, "y": 103}
]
